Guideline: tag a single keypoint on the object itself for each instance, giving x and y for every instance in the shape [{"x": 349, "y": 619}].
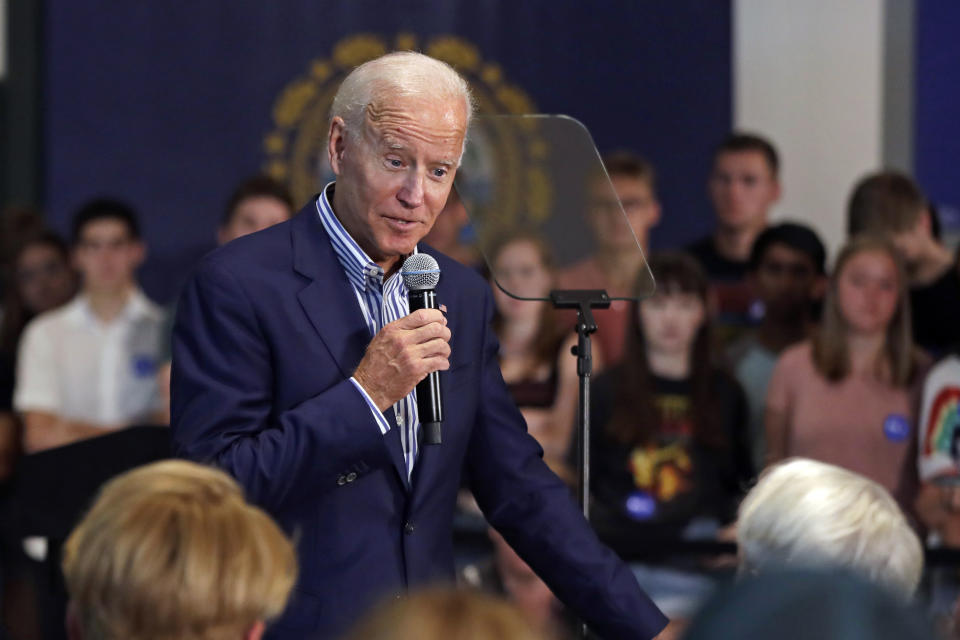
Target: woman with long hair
[
  {"x": 847, "y": 396},
  {"x": 535, "y": 356},
  {"x": 670, "y": 446}
]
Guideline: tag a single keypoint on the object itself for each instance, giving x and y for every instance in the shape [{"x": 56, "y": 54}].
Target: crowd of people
[{"x": 836, "y": 388}]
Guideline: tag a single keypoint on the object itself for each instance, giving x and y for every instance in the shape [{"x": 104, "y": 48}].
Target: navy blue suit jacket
[{"x": 267, "y": 334}]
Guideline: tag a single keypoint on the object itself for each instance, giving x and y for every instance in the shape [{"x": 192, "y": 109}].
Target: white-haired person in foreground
[
  {"x": 172, "y": 550},
  {"x": 804, "y": 513}
]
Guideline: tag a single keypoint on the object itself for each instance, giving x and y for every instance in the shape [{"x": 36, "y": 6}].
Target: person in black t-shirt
[
  {"x": 744, "y": 185},
  {"x": 890, "y": 204},
  {"x": 670, "y": 445}
]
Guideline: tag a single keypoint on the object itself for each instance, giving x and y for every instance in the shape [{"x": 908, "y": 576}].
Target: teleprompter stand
[{"x": 584, "y": 301}]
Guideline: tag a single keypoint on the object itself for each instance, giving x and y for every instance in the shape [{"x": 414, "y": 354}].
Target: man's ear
[
  {"x": 336, "y": 144},
  {"x": 655, "y": 214},
  {"x": 139, "y": 249},
  {"x": 924, "y": 223},
  {"x": 777, "y": 190}
]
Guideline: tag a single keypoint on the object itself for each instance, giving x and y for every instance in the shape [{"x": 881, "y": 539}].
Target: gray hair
[
  {"x": 402, "y": 73},
  {"x": 807, "y": 513}
]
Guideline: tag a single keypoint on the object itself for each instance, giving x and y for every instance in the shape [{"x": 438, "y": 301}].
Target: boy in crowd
[
  {"x": 744, "y": 185},
  {"x": 889, "y": 203},
  {"x": 617, "y": 261},
  {"x": 89, "y": 367},
  {"x": 787, "y": 273},
  {"x": 257, "y": 203}
]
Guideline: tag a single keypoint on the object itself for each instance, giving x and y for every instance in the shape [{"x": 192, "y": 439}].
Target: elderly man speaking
[{"x": 295, "y": 361}]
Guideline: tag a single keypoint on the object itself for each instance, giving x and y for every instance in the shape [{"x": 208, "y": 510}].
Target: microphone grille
[{"x": 420, "y": 271}]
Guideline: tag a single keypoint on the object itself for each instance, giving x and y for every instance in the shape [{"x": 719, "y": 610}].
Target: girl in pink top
[{"x": 846, "y": 397}]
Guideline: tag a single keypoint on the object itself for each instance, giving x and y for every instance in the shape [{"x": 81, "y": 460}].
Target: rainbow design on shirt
[{"x": 943, "y": 425}]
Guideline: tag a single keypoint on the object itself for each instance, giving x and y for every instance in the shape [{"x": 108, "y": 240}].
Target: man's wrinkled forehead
[{"x": 393, "y": 121}]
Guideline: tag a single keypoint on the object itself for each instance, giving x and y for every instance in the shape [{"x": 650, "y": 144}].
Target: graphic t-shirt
[
  {"x": 654, "y": 489},
  {"x": 939, "y": 432}
]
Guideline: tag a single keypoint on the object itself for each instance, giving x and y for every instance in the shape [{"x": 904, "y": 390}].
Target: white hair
[
  {"x": 402, "y": 73},
  {"x": 808, "y": 513}
]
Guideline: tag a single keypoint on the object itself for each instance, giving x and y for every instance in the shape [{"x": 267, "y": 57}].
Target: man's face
[
  {"x": 395, "y": 172},
  {"x": 107, "y": 256},
  {"x": 742, "y": 188},
  {"x": 639, "y": 205},
  {"x": 253, "y": 214},
  {"x": 787, "y": 282}
]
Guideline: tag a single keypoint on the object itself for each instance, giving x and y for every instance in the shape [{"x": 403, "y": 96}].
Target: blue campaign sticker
[
  {"x": 896, "y": 427},
  {"x": 641, "y": 505},
  {"x": 144, "y": 365}
]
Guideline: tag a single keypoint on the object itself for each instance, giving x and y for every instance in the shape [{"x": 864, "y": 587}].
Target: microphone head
[{"x": 420, "y": 271}]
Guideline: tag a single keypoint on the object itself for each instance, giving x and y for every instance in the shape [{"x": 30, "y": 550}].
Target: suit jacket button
[
  {"x": 351, "y": 476},
  {"x": 341, "y": 480},
  {"x": 408, "y": 528}
]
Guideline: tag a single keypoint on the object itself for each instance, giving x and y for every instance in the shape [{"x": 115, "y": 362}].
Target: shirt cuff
[{"x": 377, "y": 414}]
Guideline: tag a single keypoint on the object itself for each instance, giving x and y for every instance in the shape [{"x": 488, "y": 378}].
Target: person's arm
[
  {"x": 536, "y": 514},
  {"x": 222, "y": 398},
  {"x": 43, "y": 430}
]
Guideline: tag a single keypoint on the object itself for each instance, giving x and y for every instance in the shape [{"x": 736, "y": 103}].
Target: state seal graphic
[{"x": 507, "y": 159}]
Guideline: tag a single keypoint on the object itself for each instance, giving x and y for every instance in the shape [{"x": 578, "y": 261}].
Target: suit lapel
[{"x": 331, "y": 305}]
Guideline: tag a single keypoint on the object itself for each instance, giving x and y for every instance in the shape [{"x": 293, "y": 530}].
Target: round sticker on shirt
[
  {"x": 144, "y": 365},
  {"x": 641, "y": 505},
  {"x": 896, "y": 427}
]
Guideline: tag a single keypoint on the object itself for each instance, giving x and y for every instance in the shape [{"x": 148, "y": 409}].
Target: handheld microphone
[{"x": 421, "y": 273}]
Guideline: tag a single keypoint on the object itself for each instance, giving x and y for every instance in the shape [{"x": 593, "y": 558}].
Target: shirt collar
[
  {"x": 360, "y": 268},
  {"x": 137, "y": 306}
]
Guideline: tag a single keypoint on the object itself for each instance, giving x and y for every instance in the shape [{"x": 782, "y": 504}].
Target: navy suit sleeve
[
  {"x": 222, "y": 409},
  {"x": 535, "y": 513}
]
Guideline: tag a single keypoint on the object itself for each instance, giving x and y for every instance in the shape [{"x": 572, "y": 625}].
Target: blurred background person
[
  {"x": 787, "y": 275},
  {"x": 90, "y": 366},
  {"x": 508, "y": 576},
  {"x": 847, "y": 396},
  {"x": 535, "y": 357},
  {"x": 503, "y": 573},
  {"x": 744, "y": 185},
  {"x": 890, "y": 204},
  {"x": 17, "y": 223},
  {"x": 669, "y": 443},
  {"x": 937, "y": 506},
  {"x": 808, "y": 514},
  {"x": 616, "y": 260},
  {"x": 42, "y": 280},
  {"x": 256, "y": 203},
  {"x": 445, "y": 614},
  {"x": 172, "y": 550}
]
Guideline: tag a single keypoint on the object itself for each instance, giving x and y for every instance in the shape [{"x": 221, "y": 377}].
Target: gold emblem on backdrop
[{"x": 507, "y": 160}]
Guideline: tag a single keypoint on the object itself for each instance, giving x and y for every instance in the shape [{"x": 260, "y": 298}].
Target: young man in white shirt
[{"x": 90, "y": 366}]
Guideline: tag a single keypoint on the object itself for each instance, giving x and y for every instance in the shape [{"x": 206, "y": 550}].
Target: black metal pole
[{"x": 584, "y": 301}]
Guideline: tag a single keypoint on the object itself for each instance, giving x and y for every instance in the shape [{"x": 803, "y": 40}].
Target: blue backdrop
[
  {"x": 168, "y": 104},
  {"x": 937, "y": 109}
]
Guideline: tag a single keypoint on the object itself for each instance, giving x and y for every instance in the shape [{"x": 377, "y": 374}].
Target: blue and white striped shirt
[{"x": 380, "y": 303}]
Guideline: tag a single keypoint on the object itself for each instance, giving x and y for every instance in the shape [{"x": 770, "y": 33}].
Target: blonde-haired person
[
  {"x": 848, "y": 396},
  {"x": 445, "y": 614},
  {"x": 170, "y": 551},
  {"x": 808, "y": 514}
]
